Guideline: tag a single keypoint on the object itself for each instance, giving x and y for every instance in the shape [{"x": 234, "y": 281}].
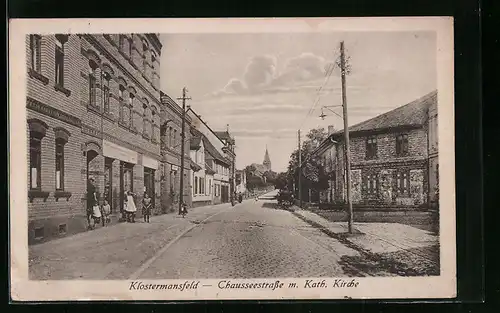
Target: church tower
[{"x": 267, "y": 160}]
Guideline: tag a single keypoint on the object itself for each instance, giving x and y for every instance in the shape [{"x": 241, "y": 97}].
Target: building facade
[
  {"x": 171, "y": 146},
  {"x": 241, "y": 182},
  {"x": 389, "y": 158},
  {"x": 85, "y": 93},
  {"x": 220, "y": 156}
]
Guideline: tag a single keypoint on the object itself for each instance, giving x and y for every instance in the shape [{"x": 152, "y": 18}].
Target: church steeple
[{"x": 267, "y": 160}]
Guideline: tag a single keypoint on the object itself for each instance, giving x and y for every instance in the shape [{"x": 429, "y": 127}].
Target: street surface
[{"x": 253, "y": 239}]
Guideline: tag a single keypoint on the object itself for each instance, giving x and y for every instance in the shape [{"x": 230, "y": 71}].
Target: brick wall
[{"x": 48, "y": 216}]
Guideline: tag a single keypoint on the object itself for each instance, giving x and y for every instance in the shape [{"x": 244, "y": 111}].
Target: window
[
  {"x": 175, "y": 138},
  {"x": 144, "y": 60},
  {"x": 402, "y": 145},
  {"x": 130, "y": 46},
  {"x": 60, "y": 164},
  {"x": 371, "y": 147},
  {"x": 105, "y": 90},
  {"x": 92, "y": 83},
  {"x": 59, "y": 59},
  {"x": 131, "y": 109},
  {"x": 372, "y": 184},
  {"x": 122, "y": 43},
  {"x": 170, "y": 137},
  {"x": 120, "y": 95},
  {"x": 195, "y": 185},
  {"x": 402, "y": 182},
  {"x": 153, "y": 135},
  {"x": 35, "y": 161},
  {"x": 144, "y": 119},
  {"x": 36, "y": 51}
]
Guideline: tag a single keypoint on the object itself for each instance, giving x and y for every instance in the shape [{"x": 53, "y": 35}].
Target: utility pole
[
  {"x": 346, "y": 136},
  {"x": 183, "y": 136},
  {"x": 300, "y": 174}
]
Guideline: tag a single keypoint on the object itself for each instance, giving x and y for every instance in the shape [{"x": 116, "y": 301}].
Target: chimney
[{"x": 331, "y": 129}]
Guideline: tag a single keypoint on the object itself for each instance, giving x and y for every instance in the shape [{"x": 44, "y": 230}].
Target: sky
[{"x": 266, "y": 86}]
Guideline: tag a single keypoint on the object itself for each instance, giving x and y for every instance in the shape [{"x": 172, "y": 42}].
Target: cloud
[
  {"x": 260, "y": 71},
  {"x": 261, "y": 76}
]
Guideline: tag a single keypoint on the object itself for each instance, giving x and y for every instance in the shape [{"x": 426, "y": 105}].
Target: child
[
  {"x": 146, "y": 207},
  {"x": 106, "y": 211},
  {"x": 96, "y": 215}
]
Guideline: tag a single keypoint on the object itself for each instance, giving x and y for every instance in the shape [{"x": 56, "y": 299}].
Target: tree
[
  {"x": 281, "y": 181},
  {"x": 312, "y": 172}
]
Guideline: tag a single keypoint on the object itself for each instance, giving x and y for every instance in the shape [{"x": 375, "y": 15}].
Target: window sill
[
  {"x": 32, "y": 194},
  {"x": 62, "y": 194},
  {"x": 34, "y": 74},
  {"x": 122, "y": 124},
  {"x": 94, "y": 108},
  {"x": 109, "y": 116},
  {"x": 145, "y": 136},
  {"x": 134, "y": 130},
  {"x": 65, "y": 91}
]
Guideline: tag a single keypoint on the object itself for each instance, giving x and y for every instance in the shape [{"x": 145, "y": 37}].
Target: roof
[
  {"x": 411, "y": 114},
  {"x": 414, "y": 113},
  {"x": 195, "y": 144}
]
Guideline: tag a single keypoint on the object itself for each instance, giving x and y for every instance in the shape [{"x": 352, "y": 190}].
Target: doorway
[{"x": 149, "y": 184}]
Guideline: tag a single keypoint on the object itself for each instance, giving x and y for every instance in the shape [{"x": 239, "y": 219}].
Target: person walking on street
[
  {"x": 130, "y": 208},
  {"x": 146, "y": 207}
]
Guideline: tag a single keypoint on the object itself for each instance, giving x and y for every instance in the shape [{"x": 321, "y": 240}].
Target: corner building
[{"x": 93, "y": 111}]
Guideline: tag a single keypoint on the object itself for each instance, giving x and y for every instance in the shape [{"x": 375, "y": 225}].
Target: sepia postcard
[{"x": 225, "y": 159}]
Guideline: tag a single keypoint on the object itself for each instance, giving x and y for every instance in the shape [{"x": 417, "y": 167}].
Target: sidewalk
[
  {"x": 112, "y": 252},
  {"x": 397, "y": 248}
]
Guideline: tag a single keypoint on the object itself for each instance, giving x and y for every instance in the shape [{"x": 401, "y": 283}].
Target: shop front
[
  {"x": 150, "y": 167},
  {"x": 121, "y": 161}
]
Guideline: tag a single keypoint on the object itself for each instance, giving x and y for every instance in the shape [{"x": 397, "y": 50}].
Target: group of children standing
[{"x": 97, "y": 214}]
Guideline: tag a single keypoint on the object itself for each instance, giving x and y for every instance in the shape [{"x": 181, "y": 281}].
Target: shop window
[
  {"x": 371, "y": 148},
  {"x": 36, "y": 52},
  {"x": 402, "y": 145}
]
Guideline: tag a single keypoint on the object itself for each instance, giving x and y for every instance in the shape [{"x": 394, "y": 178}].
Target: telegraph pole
[
  {"x": 183, "y": 135},
  {"x": 346, "y": 136},
  {"x": 300, "y": 174}
]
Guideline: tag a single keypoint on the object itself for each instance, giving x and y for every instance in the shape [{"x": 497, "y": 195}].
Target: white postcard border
[{"x": 22, "y": 289}]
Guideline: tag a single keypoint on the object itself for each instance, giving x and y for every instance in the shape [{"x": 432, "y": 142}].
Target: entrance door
[
  {"x": 149, "y": 183},
  {"x": 108, "y": 181},
  {"x": 126, "y": 179}
]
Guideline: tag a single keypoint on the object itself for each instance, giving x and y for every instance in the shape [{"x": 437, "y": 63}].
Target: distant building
[
  {"x": 241, "y": 181},
  {"x": 261, "y": 169},
  {"x": 389, "y": 157}
]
